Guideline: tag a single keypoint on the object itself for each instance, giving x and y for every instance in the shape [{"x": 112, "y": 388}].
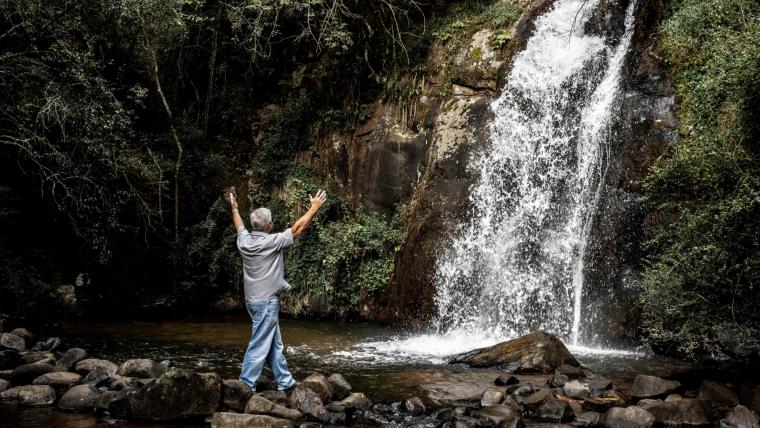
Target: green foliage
[
  {"x": 703, "y": 282},
  {"x": 467, "y": 17}
]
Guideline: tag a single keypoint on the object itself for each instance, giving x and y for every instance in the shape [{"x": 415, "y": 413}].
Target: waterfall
[{"x": 516, "y": 264}]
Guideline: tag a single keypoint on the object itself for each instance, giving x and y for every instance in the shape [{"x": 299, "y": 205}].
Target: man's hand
[
  {"x": 319, "y": 200},
  {"x": 237, "y": 221},
  {"x": 233, "y": 201}
]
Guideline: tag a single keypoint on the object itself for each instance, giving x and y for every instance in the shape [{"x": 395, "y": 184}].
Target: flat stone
[
  {"x": 9, "y": 341},
  {"x": 238, "y": 420},
  {"x": 85, "y": 366},
  {"x": 538, "y": 352},
  {"x": 70, "y": 358},
  {"x": 684, "y": 412},
  {"x": 235, "y": 394},
  {"x": 629, "y": 417},
  {"x": 318, "y": 383},
  {"x": 58, "y": 379},
  {"x": 500, "y": 415},
  {"x": 645, "y": 386},
  {"x": 27, "y": 373},
  {"x": 739, "y": 417},
  {"x": 80, "y": 398},
  {"x": 491, "y": 397},
  {"x": 141, "y": 368},
  {"x": 30, "y": 395},
  {"x": 261, "y": 406},
  {"x": 341, "y": 388}
]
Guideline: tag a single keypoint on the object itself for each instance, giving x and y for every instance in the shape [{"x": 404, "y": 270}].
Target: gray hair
[{"x": 260, "y": 219}]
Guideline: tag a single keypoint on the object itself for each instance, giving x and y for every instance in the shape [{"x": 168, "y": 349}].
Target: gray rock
[
  {"x": 538, "y": 352},
  {"x": 740, "y": 417},
  {"x": 341, "y": 388},
  {"x": 310, "y": 425},
  {"x": 11, "y": 342},
  {"x": 648, "y": 402},
  {"x": 261, "y": 406},
  {"x": 58, "y": 379},
  {"x": 357, "y": 400},
  {"x": 558, "y": 380},
  {"x": 629, "y": 417},
  {"x": 572, "y": 372},
  {"x": 237, "y": 420},
  {"x": 70, "y": 358},
  {"x": 414, "y": 405},
  {"x": 235, "y": 394},
  {"x": 98, "y": 376},
  {"x": 30, "y": 395},
  {"x": 587, "y": 419},
  {"x": 38, "y": 357},
  {"x": 308, "y": 402},
  {"x": 277, "y": 397},
  {"x": 4, "y": 384},
  {"x": 543, "y": 405},
  {"x": 175, "y": 395},
  {"x": 491, "y": 397},
  {"x": 468, "y": 422},
  {"x": 87, "y": 365},
  {"x": 501, "y": 416},
  {"x": 27, "y": 373},
  {"x": 684, "y": 412},
  {"x": 717, "y": 396},
  {"x": 506, "y": 380},
  {"x": 522, "y": 390},
  {"x": 141, "y": 368},
  {"x": 336, "y": 407},
  {"x": 318, "y": 383},
  {"x": 598, "y": 386},
  {"x": 577, "y": 390},
  {"x": 337, "y": 418},
  {"x": 103, "y": 403},
  {"x": 50, "y": 344},
  {"x": 121, "y": 383},
  {"x": 24, "y": 334},
  {"x": 645, "y": 386},
  {"x": 81, "y": 398},
  {"x": 673, "y": 397}
]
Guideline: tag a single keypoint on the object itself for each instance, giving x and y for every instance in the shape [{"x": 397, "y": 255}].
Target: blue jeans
[{"x": 265, "y": 345}]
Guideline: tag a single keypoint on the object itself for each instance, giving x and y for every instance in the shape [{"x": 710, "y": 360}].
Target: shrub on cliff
[{"x": 702, "y": 283}]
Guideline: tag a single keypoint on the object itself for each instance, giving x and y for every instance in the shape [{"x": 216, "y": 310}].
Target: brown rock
[
  {"x": 684, "y": 412},
  {"x": 318, "y": 383},
  {"x": 261, "y": 406},
  {"x": 645, "y": 386},
  {"x": 238, "y": 420}
]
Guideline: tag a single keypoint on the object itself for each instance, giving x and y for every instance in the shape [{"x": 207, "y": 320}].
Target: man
[{"x": 263, "y": 281}]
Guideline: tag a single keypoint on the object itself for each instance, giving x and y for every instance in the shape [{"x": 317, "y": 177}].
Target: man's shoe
[{"x": 291, "y": 386}]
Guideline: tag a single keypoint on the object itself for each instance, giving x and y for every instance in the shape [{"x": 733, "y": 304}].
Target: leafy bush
[{"x": 702, "y": 282}]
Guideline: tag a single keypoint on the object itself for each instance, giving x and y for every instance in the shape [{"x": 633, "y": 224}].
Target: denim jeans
[{"x": 265, "y": 345}]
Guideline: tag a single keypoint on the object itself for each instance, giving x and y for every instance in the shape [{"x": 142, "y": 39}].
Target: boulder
[
  {"x": 235, "y": 394},
  {"x": 50, "y": 344},
  {"x": 598, "y": 386},
  {"x": 11, "y": 342},
  {"x": 341, "y": 388},
  {"x": 683, "y": 412},
  {"x": 648, "y": 402},
  {"x": 30, "y": 395},
  {"x": 98, "y": 376},
  {"x": 70, "y": 358},
  {"x": 141, "y": 368},
  {"x": 24, "y": 334},
  {"x": 318, "y": 383},
  {"x": 414, "y": 405},
  {"x": 717, "y": 396},
  {"x": 81, "y": 398},
  {"x": 261, "y": 406},
  {"x": 645, "y": 386},
  {"x": 506, "y": 380},
  {"x": 357, "y": 400},
  {"x": 85, "y": 366},
  {"x": 275, "y": 396},
  {"x": 572, "y": 372},
  {"x": 521, "y": 390},
  {"x": 587, "y": 419},
  {"x": 491, "y": 397},
  {"x": 38, "y": 357},
  {"x": 6, "y": 374},
  {"x": 628, "y": 417},
  {"x": 751, "y": 397},
  {"x": 62, "y": 380},
  {"x": 307, "y": 402},
  {"x": 740, "y": 417},
  {"x": 103, "y": 403},
  {"x": 538, "y": 352},
  {"x": 543, "y": 405},
  {"x": 9, "y": 360},
  {"x": 500, "y": 415},
  {"x": 27, "y": 373},
  {"x": 558, "y": 380},
  {"x": 121, "y": 383},
  {"x": 175, "y": 395},
  {"x": 4, "y": 384},
  {"x": 238, "y": 420},
  {"x": 577, "y": 390}
]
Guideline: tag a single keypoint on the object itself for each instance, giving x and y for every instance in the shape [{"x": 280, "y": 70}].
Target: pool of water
[{"x": 385, "y": 363}]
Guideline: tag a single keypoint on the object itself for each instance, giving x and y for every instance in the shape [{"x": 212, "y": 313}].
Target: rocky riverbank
[{"x": 530, "y": 381}]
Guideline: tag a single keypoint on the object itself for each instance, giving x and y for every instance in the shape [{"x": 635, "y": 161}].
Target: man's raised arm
[
  {"x": 302, "y": 223},
  {"x": 237, "y": 221}
]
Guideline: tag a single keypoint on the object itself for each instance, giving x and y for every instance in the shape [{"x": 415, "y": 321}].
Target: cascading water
[{"x": 517, "y": 264}]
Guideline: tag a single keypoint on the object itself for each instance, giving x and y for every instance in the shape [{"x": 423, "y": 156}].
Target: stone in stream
[
  {"x": 97, "y": 377},
  {"x": 739, "y": 417},
  {"x": 141, "y": 368},
  {"x": 500, "y": 415},
  {"x": 81, "y": 398},
  {"x": 39, "y": 357},
  {"x": 538, "y": 352},
  {"x": 121, "y": 383},
  {"x": 506, "y": 380},
  {"x": 598, "y": 386},
  {"x": 648, "y": 402},
  {"x": 261, "y": 406},
  {"x": 58, "y": 380},
  {"x": 69, "y": 359},
  {"x": 103, "y": 403},
  {"x": 307, "y": 402},
  {"x": 318, "y": 383},
  {"x": 337, "y": 418},
  {"x": 275, "y": 396},
  {"x": 11, "y": 342},
  {"x": 341, "y": 388},
  {"x": 717, "y": 396},
  {"x": 491, "y": 397},
  {"x": 645, "y": 386},
  {"x": 683, "y": 412},
  {"x": 357, "y": 400},
  {"x": 543, "y": 405},
  {"x": 414, "y": 405},
  {"x": 237, "y": 420},
  {"x": 587, "y": 419},
  {"x": 9, "y": 360},
  {"x": 30, "y": 395},
  {"x": 628, "y": 417},
  {"x": 521, "y": 390},
  {"x": 85, "y": 366},
  {"x": 24, "y": 334},
  {"x": 27, "y": 373},
  {"x": 175, "y": 395},
  {"x": 235, "y": 394},
  {"x": 4, "y": 384},
  {"x": 50, "y": 344},
  {"x": 577, "y": 390}
]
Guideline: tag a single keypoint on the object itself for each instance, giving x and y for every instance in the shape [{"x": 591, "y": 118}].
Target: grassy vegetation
[{"x": 702, "y": 283}]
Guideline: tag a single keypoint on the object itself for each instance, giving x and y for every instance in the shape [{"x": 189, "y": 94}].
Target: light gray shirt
[{"x": 263, "y": 263}]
